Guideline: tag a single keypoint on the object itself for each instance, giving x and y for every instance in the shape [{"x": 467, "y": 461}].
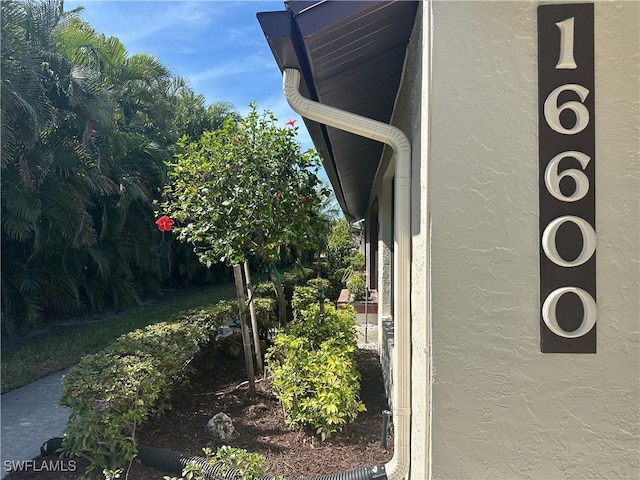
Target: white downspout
[{"x": 398, "y": 466}]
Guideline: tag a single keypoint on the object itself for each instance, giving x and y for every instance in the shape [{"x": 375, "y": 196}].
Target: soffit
[{"x": 351, "y": 56}]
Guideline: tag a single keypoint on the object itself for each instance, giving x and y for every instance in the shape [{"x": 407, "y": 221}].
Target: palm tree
[
  {"x": 86, "y": 132},
  {"x": 74, "y": 190},
  {"x": 47, "y": 175}
]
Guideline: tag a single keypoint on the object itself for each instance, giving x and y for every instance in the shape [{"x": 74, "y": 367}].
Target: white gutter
[{"x": 398, "y": 466}]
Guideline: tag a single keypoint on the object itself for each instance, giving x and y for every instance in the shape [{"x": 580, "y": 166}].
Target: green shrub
[
  {"x": 340, "y": 246},
  {"x": 303, "y": 297},
  {"x": 356, "y": 261},
  {"x": 266, "y": 313},
  {"x": 293, "y": 277},
  {"x": 329, "y": 290},
  {"x": 321, "y": 267},
  {"x": 335, "y": 283},
  {"x": 314, "y": 372},
  {"x": 317, "y": 326},
  {"x": 321, "y": 284},
  {"x": 317, "y": 388},
  {"x": 249, "y": 466},
  {"x": 229, "y": 347},
  {"x": 264, "y": 290},
  {"x": 309, "y": 294},
  {"x": 340, "y": 253},
  {"x": 288, "y": 279},
  {"x": 357, "y": 286},
  {"x": 111, "y": 393}
]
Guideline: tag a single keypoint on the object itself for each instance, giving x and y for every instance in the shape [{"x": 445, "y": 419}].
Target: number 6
[
  {"x": 552, "y": 178},
  {"x": 552, "y": 111}
]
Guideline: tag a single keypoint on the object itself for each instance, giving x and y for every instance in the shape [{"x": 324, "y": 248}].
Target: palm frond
[
  {"x": 99, "y": 260},
  {"x": 140, "y": 229},
  {"x": 26, "y": 278},
  {"x": 20, "y": 310},
  {"x": 65, "y": 216},
  {"x": 147, "y": 68},
  {"x": 16, "y": 228},
  {"x": 124, "y": 293},
  {"x": 111, "y": 220},
  {"x": 177, "y": 85},
  {"x": 21, "y": 203}
]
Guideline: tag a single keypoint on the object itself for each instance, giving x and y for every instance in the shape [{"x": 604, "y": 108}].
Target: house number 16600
[{"x": 567, "y": 178}]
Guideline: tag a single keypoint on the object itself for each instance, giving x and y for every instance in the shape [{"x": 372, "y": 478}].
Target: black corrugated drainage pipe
[{"x": 174, "y": 462}]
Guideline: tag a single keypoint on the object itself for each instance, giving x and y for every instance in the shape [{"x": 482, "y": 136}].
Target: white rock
[{"x": 221, "y": 427}]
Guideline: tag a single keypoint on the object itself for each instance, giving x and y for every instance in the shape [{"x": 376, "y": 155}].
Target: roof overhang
[{"x": 350, "y": 55}]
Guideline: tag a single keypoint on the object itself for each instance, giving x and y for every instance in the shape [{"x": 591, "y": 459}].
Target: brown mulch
[{"x": 219, "y": 387}]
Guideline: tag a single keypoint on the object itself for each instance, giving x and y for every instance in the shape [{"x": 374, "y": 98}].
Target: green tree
[
  {"x": 86, "y": 131},
  {"x": 340, "y": 245},
  {"x": 192, "y": 116},
  {"x": 246, "y": 190},
  {"x": 50, "y": 109}
]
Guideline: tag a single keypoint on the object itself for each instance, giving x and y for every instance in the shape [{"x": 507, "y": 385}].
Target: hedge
[{"x": 111, "y": 393}]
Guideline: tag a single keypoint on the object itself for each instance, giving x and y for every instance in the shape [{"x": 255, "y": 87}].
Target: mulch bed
[{"x": 218, "y": 387}]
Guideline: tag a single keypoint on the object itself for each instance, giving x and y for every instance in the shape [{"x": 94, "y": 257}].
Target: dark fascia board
[
  {"x": 278, "y": 28},
  {"x": 297, "y": 6},
  {"x": 286, "y": 46}
]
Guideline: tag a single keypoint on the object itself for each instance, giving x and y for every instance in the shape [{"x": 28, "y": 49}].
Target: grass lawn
[{"x": 54, "y": 352}]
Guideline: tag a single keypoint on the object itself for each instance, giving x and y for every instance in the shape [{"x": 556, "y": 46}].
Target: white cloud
[
  {"x": 245, "y": 36},
  {"x": 173, "y": 21},
  {"x": 253, "y": 63},
  {"x": 140, "y": 25}
]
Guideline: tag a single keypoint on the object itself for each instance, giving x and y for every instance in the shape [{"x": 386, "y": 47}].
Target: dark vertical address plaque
[{"x": 567, "y": 178}]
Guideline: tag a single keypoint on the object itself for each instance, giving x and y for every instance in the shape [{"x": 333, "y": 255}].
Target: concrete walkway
[
  {"x": 367, "y": 330},
  {"x": 30, "y": 417}
]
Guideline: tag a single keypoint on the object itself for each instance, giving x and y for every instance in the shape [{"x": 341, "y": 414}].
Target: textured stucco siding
[
  {"x": 501, "y": 409},
  {"x": 410, "y": 116}
]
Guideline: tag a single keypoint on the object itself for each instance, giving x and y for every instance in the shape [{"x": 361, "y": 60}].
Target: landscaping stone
[{"x": 220, "y": 427}]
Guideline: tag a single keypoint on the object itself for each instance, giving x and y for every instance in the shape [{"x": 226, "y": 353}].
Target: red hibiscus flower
[
  {"x": 164, "y": 223},
  {"x": 291, "y": 122}
]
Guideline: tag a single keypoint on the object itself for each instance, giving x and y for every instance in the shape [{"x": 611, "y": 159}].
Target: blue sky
[{"x": 216, "y": 45}]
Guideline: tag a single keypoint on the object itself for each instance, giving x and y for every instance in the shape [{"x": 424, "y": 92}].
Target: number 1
[{"x": 566, "y": 61}]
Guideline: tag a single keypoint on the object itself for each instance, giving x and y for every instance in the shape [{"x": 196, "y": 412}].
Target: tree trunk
[
  {"x": 254, "y": 320},
  {"x": 246, "y": 342},
  {"x": 282, "y": 301}
]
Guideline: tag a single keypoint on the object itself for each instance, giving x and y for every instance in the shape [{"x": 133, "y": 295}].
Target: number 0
[
  {"x": 588, "y": 318},
  {"x": 588, "y": 241}
]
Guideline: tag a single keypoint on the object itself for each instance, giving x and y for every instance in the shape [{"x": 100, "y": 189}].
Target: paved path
[
  {"x": 367, "y": 330},
  {"x": 30, "y": 417}
]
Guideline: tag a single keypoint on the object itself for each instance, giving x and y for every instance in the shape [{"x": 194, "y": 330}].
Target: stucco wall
[
  {"x": 501, "y": 409},
  {"x": 411, "y": 116}
]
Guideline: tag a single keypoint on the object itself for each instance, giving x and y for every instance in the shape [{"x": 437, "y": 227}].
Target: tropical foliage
[
  {"x": 246, "y": 191},
  {"x": 111, "y": 393},
  {"x": 314, "y": 372},
  {"x": 342, "y": 257},
  {"x": 86, "y": 131}
]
